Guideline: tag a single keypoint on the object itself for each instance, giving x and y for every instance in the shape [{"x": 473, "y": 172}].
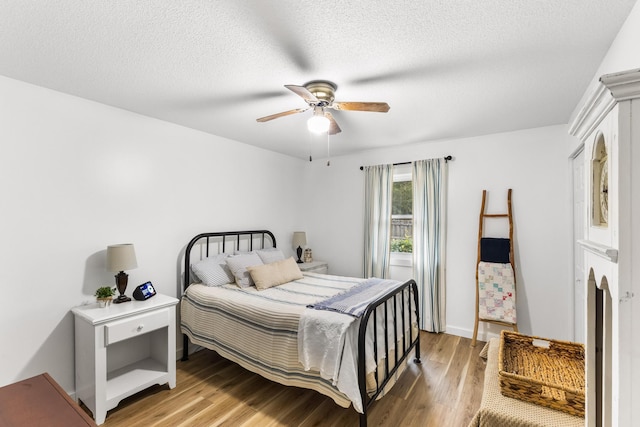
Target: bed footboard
[{"x": 400, "y": 355}]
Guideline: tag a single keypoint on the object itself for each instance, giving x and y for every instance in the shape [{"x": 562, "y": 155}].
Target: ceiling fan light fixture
[
  {"x": 320, "y": 95},
  {"x": 318, "y": 123}
]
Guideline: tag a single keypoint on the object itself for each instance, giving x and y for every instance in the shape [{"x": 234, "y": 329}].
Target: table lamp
[
  {"x": 119, "y": 258},
  {"x": 299, "y": 240}
]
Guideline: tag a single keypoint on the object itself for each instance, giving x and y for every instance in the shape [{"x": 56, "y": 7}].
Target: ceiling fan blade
[
  {"x": 379, "y": 107},
  {"x": 302, "y": 92},
  {"x": 333, "y": 126},
  {"x": 284, "y": 113}
]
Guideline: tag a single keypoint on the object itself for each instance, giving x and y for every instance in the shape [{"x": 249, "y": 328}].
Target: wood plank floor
[{"x": 444, "y": 390}]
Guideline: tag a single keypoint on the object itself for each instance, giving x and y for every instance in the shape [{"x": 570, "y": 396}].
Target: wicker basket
[{"x": 550, "y": 375}]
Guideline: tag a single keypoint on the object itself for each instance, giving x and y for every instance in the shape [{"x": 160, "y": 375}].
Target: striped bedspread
[{"x": 259, "y": 329}]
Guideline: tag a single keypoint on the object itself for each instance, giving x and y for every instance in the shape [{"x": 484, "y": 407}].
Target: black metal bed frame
[{"x": 399, "y": 292}]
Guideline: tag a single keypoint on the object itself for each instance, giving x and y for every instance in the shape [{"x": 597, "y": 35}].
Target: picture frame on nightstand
[{"x": 308, "y": 255}]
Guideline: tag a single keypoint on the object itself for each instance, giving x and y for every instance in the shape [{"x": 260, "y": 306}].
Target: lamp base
[
  {"x": 121, "y": 298},
  {"x": 299, "y": 253},
  {"x": 121, "y": 283}
]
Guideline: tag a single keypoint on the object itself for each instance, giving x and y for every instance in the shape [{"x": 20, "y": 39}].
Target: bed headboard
[{"x": 209, "y": 244}]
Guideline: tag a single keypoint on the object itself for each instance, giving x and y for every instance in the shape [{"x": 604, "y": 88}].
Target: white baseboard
[{"x": 483, "y": 335}]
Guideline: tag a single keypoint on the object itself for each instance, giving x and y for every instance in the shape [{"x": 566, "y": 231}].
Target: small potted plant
[{"x": 105, "y": 294}]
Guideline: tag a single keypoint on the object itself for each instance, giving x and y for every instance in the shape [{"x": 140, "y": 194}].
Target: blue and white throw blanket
[{"x": 355, "y": 301}]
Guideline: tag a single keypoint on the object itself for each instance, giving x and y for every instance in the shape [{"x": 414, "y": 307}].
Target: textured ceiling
[{"x": 448, "y": 69}]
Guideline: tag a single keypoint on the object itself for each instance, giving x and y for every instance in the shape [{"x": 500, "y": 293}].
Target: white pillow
[
  {"x": 270, "y": 255},
  {"x": 238, "y": 265},
  {"x": 213, "y": 270}
]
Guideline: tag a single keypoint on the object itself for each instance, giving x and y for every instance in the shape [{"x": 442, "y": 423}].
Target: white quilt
[
  {"x": 321, "y": 336},
  {"x": 328, "y": 342}
]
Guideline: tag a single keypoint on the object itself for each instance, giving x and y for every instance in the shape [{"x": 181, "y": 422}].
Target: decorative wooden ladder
[{"x": 483, "y": 215}]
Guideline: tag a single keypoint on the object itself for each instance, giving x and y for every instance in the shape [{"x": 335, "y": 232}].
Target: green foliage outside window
[
  {"x": 401, "y": 211},
  {"x": 402, "y": 245},
  {"x": 402, "y": 199}
]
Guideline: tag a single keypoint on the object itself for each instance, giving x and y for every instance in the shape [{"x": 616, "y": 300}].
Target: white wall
[
  {"x": 623, "y": 55},
  {"x": 76, "y": 176},
  {"x": 531, "y": 162}
]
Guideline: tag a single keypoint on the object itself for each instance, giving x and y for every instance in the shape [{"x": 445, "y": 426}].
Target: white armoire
[{"x": 608, "y": 126}]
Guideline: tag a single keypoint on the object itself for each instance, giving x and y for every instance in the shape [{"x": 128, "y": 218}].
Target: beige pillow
[{"x": 275, "y": 273}]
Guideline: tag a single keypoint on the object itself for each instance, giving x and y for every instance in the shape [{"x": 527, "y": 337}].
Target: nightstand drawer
[{"x": 134, "y": 326}]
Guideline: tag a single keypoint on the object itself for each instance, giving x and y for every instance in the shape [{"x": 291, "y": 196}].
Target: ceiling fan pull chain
[
  {"x": 328, "y": 151},
  {"x": 310, "y": 147}
]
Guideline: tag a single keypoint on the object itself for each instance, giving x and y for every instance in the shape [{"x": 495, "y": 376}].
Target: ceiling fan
[{"x": 320, "y": 95}]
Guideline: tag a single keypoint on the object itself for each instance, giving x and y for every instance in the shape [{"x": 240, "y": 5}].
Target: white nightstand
[
  {"x": 315, "y": 267},
  {"x": 123, "y": 349}
]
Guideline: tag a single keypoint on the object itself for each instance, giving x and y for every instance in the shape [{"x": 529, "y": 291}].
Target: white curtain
[
  {"x": 377, "y": 220},
  {"x": 429, "y": 225}
]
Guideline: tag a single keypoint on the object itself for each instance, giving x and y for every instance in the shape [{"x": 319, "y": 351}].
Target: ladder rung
[
  {"x": 496, "y": 215},
  {"x": 497, "y": 322}
]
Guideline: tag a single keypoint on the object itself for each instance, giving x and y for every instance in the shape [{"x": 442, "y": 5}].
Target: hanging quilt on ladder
[{"x": 497, "y": 289}]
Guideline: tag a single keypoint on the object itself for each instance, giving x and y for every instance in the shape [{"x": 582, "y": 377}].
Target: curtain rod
[{"x": 446, "y": 159}]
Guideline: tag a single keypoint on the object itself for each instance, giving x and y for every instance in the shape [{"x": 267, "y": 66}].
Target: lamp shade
[
  {"x": 121, "y": 257},
  {"x": 299, "y": 239}
]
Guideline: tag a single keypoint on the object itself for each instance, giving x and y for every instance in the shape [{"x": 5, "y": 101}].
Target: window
[{"x": 402, "y": 210}]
